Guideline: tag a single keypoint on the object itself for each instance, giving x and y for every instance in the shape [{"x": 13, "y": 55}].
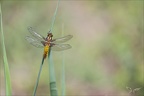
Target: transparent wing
[
  {"x": 62, "y": 39},
  {"x": 60, "y": 47},
  {"x": 35, "y": 34},
  {"x": 34, "y": 42}
]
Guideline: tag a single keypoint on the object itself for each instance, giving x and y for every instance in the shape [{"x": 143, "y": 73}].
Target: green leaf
[
  {"x": 37, "y": 82},
  {"x": 63, "y": 69},
  {"x": 6, "y": 66},
  {"x": 53, "y": 88}
]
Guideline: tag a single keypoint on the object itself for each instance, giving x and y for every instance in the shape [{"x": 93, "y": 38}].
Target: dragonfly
[{"x": 47, "y": 42}]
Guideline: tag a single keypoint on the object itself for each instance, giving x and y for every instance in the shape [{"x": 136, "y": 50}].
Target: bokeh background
[{"x": 107, "y": 51}]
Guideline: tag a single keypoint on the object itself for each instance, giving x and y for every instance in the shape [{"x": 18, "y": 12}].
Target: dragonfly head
[{"x": 49, "y": 36}]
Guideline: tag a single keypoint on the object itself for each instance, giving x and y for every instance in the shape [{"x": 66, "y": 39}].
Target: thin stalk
[
  {"x": 37, "y": 82},
  {"x": 63, "y": 68},
  {"x": 6, "y": 66},
  {"x": 53, "y": 88},
  {"x": 53, "y": 19}
]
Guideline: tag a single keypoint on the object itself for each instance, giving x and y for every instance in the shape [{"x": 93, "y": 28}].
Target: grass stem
[
  {"x": 53, "y": 88},
  {"x": 6, "y": 66},
  {"x": 35, "y": 89},
  {"x": 63, "y": 68},
  {"x": 53, "y": 19}
]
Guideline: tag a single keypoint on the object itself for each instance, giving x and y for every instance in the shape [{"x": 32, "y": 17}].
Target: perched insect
[{"x": 48, "y": 43}]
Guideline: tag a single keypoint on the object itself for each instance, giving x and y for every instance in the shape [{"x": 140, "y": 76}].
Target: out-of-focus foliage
[
  {"x": 107, "y": 47},
  {"x": 7, "y": 79}
]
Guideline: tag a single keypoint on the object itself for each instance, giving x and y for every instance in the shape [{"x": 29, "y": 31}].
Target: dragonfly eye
[{"x": 50, "y": 35}]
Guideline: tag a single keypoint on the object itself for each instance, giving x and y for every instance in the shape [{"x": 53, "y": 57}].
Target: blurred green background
[{"x": 107, "y": 51}]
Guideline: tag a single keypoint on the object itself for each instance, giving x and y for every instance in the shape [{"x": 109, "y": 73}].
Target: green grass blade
[
  {"x": 63, "y": 75},
  {"x": 63, "y": 69},
  {"x": 6, "y": 67},
  {"x": 53, "y": 88},
  {"x": 53, "y": 19},
  {"x": 37, "y": 82}
]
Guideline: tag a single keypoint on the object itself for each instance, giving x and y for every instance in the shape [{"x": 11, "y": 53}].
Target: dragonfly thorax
[{"x": 49, "y": 37}]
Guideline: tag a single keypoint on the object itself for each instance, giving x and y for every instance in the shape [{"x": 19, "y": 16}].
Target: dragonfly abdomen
[{"x": 46, "y": 50}]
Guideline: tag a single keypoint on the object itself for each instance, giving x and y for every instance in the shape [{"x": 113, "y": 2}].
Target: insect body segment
[{"x": 46, "y": 51}]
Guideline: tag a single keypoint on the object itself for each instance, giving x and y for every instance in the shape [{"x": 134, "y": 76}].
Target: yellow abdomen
[{"x": 46, "y": 50}]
